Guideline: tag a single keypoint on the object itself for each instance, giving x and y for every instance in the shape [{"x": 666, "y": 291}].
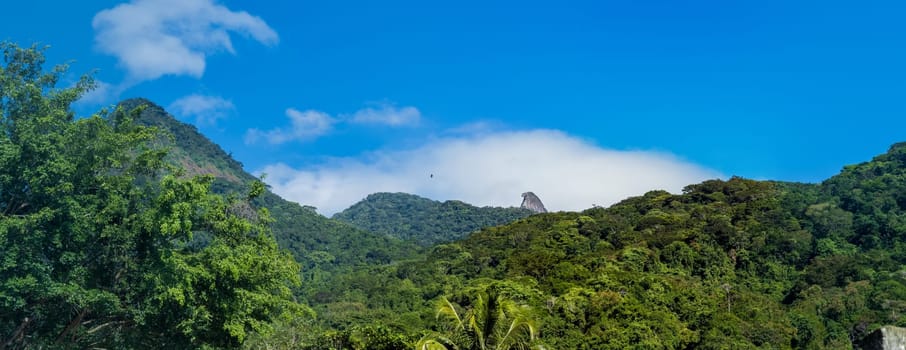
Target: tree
[
  {"x": 103, "y": 244},
  {"x": 492, "y": 321}
]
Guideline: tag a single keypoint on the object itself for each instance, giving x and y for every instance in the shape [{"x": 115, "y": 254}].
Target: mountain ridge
[
  {"x": 422, "y": 220},
  {"x": 726, "y": 264},
  {"x": 734, "y": 263},
  {"x": 305, "y": 233}
]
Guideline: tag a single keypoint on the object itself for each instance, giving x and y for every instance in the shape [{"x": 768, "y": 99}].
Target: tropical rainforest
[
  {"x": 129, "y": 230},
  {"x": 424, "y": 221}
]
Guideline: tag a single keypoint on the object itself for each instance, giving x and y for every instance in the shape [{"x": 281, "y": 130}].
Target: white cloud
[
  {"x": 388, "y": 114},
  {"x": 495, "y": 168},
  {"x": 305, "y": 125},
  {"x": 311, "y": 124},
  {"x": 152, "y": 38},
  {"x": 102, "y": 93},
  {"x": 480, "y": 127},
  {"x": 206, "y": 110}
]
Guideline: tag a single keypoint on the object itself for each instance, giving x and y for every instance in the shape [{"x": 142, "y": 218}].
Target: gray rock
[
  {"x": 531, "y": 202},
  {"x": 885, "y": 338}
]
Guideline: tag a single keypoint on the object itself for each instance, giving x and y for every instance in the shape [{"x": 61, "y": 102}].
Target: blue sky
[{"x": 337, "y": 99}]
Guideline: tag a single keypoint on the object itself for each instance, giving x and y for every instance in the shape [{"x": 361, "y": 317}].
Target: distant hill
[
  {"x": 422, "y": 220},
  {"x": 317, "y": 242},
  {"x": 726, "y": 264}
]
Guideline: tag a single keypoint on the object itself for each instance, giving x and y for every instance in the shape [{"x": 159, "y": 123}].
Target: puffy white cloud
[
  {"x": 152, "y": 38},
  {"x": 388, "y": 114},
  {"x": 305, "y": 125},
  {"x": 102, "y": 93},
  {"x": 205, "y": 109},
  {"x": 492, "y": 168},
  {"x": 311, "y": 124}
]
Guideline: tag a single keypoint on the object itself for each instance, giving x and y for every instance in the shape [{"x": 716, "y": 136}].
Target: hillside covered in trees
[
  {"x": 128, "y": 229},
  {"x": 422, "y": 220},
  {"x": 730, "y": 264},
  {"x": 104, "y": 244},
  {"x": 314, "y": 240}
]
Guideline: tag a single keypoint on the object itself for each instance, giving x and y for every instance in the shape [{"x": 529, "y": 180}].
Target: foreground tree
[
  {"x": 492, "y": 321},
  {"x": 102, "y": 244}
]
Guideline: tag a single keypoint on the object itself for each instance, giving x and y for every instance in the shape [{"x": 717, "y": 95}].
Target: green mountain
[
  {"x": 738, "y": 264},
  {"x": 105, "y": 244},
  {"x": 422, "y": 220},
  {"x": 735, "y": 264},
  {"x": 317, "y": 242}
]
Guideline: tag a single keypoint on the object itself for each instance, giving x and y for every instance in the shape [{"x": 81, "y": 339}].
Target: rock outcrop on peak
[
  {"x": 885, "y": 338},
  {"x": 531, "y": 202}
]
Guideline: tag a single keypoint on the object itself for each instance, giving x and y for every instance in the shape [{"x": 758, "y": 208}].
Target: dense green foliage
[
  {"x": 318, "y": 243},
  {"x": 99, "y": 238},
  {"x": 187, "y": 147},
  {"x": 129, "y": 229},
  {"x": 424, "y": 221},
  {"x": 492, "y": 321},
  {"x": 323, "y": 247},
  {"x": 726, "y": 264}
]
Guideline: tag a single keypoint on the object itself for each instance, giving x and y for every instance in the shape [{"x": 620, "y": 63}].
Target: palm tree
[{"x": 493, "y": 322}]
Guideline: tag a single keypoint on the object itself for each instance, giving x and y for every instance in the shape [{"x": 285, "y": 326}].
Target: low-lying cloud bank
[{"x": 566, "y": 172}]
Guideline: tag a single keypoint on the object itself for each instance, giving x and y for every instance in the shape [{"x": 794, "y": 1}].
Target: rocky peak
[
  {"x": 531, "y": 202},
  {"x": 885, "y": 338}
]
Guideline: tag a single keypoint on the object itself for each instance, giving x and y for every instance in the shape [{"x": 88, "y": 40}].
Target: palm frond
[{"x": 447, "y": 309}]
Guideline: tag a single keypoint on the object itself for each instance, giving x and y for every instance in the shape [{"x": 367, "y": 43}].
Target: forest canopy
[
  {"x": 104, "y": 245},
  {"x": 116, "y": 234}
]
